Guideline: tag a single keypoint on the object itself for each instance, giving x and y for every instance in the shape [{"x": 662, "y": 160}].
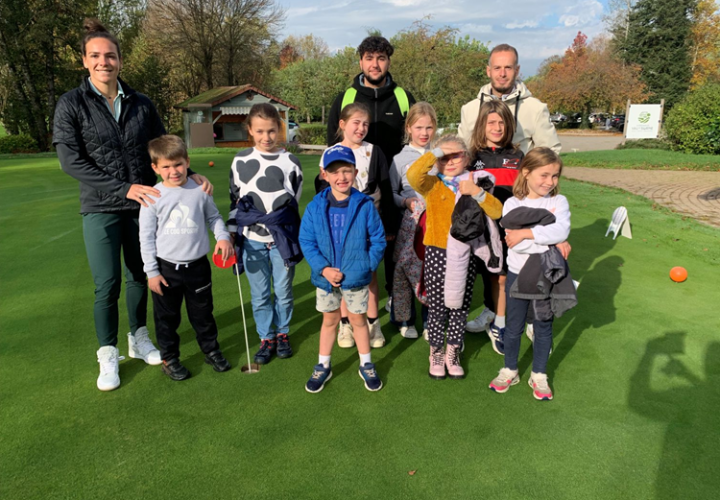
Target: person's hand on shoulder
[{"x": 204, "y": 183}]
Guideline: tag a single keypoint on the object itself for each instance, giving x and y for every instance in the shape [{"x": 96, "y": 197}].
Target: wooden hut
[{"x": 217, "y": 117}]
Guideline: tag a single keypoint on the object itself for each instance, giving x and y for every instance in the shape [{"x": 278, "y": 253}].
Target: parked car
[
  {"x": 617, "y": 122},
  {"x": 292, "y": 131},
  {"x": 558, "y": 118}
]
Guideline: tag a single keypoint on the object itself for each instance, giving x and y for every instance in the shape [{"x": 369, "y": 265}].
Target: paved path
[
  {"x": 696, "y": 194},
  {"x": 573, "y": 143}
]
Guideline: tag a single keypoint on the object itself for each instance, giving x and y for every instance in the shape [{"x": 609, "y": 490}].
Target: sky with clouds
[{"x": 537, "y": 29}]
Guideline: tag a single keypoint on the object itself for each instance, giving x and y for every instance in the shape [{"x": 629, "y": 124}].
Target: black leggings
[{"x": 439, "y": 315}]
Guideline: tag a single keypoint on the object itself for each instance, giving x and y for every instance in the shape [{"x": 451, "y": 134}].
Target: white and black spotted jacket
[{"x": 270, "y": 180}]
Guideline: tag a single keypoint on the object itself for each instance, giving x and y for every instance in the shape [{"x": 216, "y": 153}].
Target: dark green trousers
[{"x": 106, "y": 235}]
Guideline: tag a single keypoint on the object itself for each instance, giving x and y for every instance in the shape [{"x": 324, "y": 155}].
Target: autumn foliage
[{"x": 588, "y": 77}]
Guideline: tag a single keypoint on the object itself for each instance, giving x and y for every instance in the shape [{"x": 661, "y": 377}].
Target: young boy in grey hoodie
[{"x": 174, "y": 245}]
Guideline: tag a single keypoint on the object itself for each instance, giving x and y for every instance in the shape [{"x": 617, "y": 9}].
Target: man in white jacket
[{"x": 533, "y": 126}]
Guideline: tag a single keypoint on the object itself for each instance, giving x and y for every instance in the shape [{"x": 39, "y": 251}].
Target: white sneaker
[
  {"x": 409, "y": 332},
  {"x": 345, "y": 336},
  {"x": 109, "y": 358},
  {"x": 388, "y": 304},
  {"x": 377, "y": 339},
  {"x": 141, "y": 347},
  {"x": 480, "y": 323}
]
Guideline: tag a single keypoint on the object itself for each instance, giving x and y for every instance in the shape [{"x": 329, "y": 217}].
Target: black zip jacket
[
  {"x": 387, "y": 124},
  {"x": 106, "y": 156}
]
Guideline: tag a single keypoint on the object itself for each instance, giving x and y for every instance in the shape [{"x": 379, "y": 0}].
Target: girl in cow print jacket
[{"x": 265, "y": 186}]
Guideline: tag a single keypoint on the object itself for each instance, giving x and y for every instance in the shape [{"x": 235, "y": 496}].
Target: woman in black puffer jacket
[{"x": 101, "y": 132}]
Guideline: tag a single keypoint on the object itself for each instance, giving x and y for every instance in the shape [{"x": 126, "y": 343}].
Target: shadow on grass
[
  {"x": 599, "y": 280},
  {"x": 689, "y": 407}
]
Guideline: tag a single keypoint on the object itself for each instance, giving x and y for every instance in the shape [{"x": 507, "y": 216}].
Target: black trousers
[{"x": 194, "y": 283}]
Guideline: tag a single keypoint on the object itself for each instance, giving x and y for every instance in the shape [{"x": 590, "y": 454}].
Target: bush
[
  {"x": 692, "y": 125},
  {"x": 21, "y": 143},
  {"x": 312, "y": 133},
  {"x": 645, "y": 144}
]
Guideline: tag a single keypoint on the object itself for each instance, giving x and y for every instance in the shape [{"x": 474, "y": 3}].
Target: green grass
[
  {"x": 635, "y": 413},
  {"x": 646, "y": 159},
  {"x": 2, "y": 130}
]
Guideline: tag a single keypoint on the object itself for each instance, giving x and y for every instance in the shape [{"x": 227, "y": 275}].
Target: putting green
[{"x": 635, "y": 374}]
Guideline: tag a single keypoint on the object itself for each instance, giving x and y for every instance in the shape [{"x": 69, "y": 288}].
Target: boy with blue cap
[{"x": 343, "y": 240}]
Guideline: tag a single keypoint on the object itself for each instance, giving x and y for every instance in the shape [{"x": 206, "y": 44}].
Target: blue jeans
[
  {"x": 516, "y": 312},
  {"x": 262, "y": 261}
]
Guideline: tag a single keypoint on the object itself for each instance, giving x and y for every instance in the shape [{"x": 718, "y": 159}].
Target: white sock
[
  {"x": 499, "y": 321},
  {"x": 324, "y": 360},
  {"x": 365, "y": 359}
]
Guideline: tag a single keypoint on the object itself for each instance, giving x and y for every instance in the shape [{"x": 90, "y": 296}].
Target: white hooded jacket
[{"x": 533, "y": 128}]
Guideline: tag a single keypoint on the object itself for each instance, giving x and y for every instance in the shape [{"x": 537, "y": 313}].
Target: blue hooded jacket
[{"x": 363, "y": 240}]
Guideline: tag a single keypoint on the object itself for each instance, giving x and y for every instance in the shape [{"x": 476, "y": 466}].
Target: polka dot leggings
[{"x": 439, "y": 315}]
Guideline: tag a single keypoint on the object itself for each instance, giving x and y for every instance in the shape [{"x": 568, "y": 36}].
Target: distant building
[{"x": 218, "y": 116}]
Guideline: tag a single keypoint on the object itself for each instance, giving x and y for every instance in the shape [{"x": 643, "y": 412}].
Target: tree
[
  {"x": 705, "y": 51},
  {"x": 658, "y": 40},
  {"x": 307, "y": 47},
  {"x": 219, "y": 41},
  {"x": 38, "y": 43},
  {"x": 439, "y": 67},
  {"x": 587, "y": 77}
]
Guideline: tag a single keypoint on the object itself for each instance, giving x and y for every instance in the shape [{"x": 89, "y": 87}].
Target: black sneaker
[
  {"x": 264, "y": 354},
  {"x": 175, "y": 370},
  {"x": 218, "y": 361},
  {"x": 283, "y": 346}
]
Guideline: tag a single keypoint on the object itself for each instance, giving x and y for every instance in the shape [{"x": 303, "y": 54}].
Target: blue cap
[{"x": 338, "y": 153}]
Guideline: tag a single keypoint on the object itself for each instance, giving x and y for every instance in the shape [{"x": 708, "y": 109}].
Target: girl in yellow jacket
[{"x": 451, "y": 158}]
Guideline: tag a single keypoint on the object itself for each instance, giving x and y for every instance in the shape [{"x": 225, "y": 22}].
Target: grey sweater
[{"x": 173, "y": 229}]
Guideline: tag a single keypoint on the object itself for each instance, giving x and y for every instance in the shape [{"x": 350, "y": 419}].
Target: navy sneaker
[
  {"x": 319, "y": 376},
  {"x": 283, "y": 346},
  {"x": 264, "y": 354},
  {"x": 370, "y": 377},
  {"x": 497, "y": 336}
]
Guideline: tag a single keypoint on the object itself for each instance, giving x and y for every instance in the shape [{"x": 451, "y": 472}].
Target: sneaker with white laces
[
  {"x": 345, "y": 336},
  {"x": 497, "y": 337},
  {"x": 109, "y": 358},
  {"x": 141, "y": 347},
  {"x": 409, "y": 332},
  {"x": 540, "y": 387},
  {"x": 504, "y": 380},
  {"x": 481, "y": 322},
  {"x": 370, "y": 377},
  {"x": 377, "y": 339}
]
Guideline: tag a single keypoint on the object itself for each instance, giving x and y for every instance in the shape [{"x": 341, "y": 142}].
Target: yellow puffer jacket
[{"x": 440, "y": 201}]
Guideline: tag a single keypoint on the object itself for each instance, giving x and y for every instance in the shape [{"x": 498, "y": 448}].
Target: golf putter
[{"x": 250, "y": 367}]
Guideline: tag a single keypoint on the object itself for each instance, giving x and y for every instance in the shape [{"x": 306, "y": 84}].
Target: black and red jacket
[{"x": 503, "y": 164}]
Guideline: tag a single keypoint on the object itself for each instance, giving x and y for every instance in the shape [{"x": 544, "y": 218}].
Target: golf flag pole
[{"x": 242, "y": 308}]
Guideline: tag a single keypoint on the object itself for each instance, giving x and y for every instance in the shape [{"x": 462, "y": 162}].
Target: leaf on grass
[{"x": 411, "y": 472}]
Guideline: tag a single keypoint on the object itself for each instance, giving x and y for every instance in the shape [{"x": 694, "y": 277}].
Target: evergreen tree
[{"x": 658, "y": 39}]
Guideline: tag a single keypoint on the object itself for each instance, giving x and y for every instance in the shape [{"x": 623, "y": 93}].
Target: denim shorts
[{"x": 356, "y": 300}]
